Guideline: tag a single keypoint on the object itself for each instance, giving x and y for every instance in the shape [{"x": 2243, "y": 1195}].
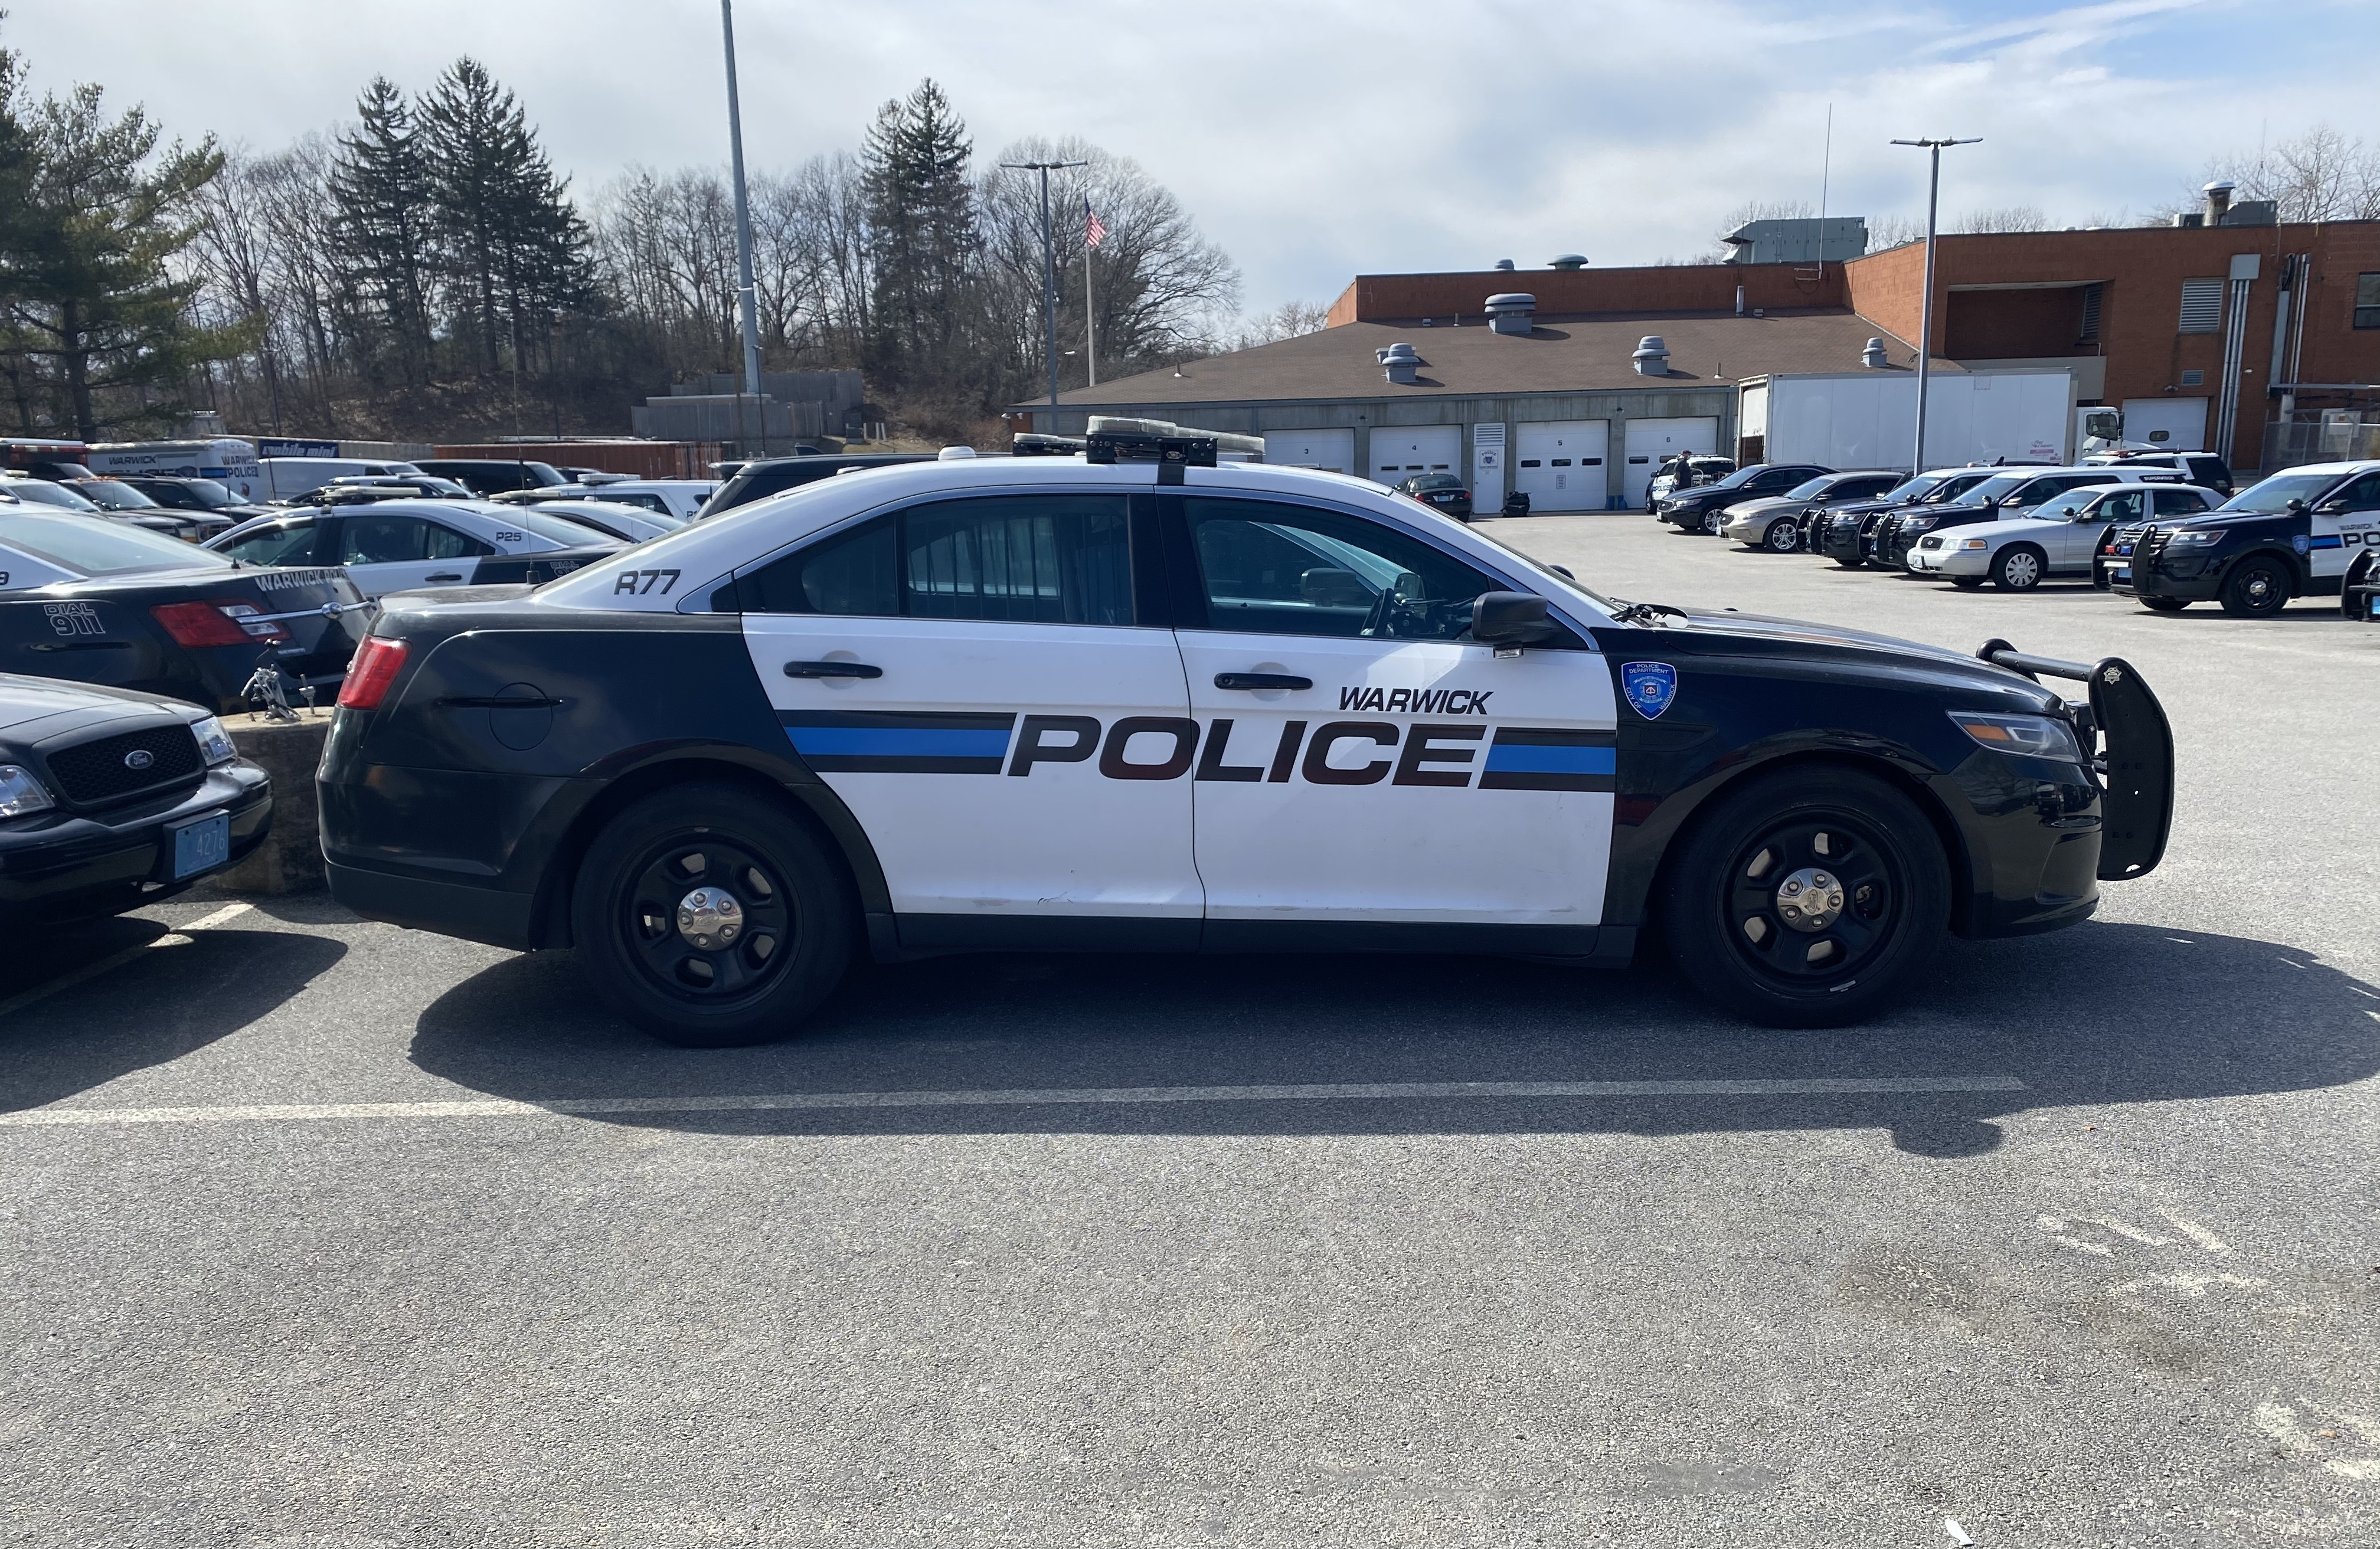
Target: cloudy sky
[{"x": 1319, "y": 138}]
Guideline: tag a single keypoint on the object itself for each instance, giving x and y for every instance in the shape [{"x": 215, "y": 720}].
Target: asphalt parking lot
[{"x": 320, "y": 1232}]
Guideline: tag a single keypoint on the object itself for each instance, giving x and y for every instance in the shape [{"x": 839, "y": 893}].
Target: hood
[
  {"x": 26, "y": 700},
  {"x": 1754, "y": 635},
  {"x": 2027, "y": 526}
]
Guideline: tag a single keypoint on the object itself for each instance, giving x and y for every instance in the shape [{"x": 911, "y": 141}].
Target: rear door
[
  {"x": 393, "y": 551},
  {"x": 971, "y": 677},
  {"x": 1363, "y": 760}
]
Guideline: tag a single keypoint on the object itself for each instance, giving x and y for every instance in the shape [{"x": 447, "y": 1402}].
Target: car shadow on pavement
[
  {"x": 2100, "y": 1014},
  {"x": 171, "y": 1000}
]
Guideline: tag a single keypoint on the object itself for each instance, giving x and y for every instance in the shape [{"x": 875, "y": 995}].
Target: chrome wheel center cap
[
  {"x": 1809, "y": 900},
  {"x": 710, "y": 918}
]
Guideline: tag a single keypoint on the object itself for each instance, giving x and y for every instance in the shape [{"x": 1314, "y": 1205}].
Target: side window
[
  {"x": 2124, "y": 505},
  {"x": 1271, "y": 569},
  {"x": 439, "y": 542},
  {"x": 2180, "y": 502},
  {"x": 1021, "y": 559},
  {"x": 857, "y": 574},
  {"x": 382, "y": 539},
  {"x": 293, "y": 544},
  {"x": 2361, "y": 495}
]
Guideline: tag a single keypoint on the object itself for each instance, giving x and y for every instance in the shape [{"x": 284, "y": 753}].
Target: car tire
[
  {"x": 1967, "y": 582},
  {"x": 1860, "y": 563},
  {"x": 2257, "y": 589},
  {"x": 2018, "y": 568},
  {"x": 1725, "y": 890},
  {"x": 1713, "y": 523},
  {"x": 791, "y": 950},
  {"x": 2164, "y": 604},
  {"x": 1782, "y": 537}
]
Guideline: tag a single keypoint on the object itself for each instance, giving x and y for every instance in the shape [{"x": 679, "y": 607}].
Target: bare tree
[
  {"x": 1288, "y": 320},
  {"x": 2014, "y": 217},
  {"x": 2321, "y": 174}
]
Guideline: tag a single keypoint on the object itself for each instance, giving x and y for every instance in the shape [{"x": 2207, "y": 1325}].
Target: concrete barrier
[{"x": 290, "y": 859}]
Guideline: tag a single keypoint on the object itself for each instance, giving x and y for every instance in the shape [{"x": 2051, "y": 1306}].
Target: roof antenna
[{"x": 1825, "y": 170}]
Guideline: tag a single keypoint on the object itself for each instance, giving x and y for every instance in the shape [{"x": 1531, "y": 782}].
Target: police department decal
[{"x": 1649, "y": 686}]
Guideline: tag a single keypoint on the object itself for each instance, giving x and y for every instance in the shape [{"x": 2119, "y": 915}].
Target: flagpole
[{"x": 1090, "y": 320}]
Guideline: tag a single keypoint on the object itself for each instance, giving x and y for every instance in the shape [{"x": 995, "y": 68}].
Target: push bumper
[
  {"x": 63, "y": 867},
  {"x": 2134, "y": 764}
]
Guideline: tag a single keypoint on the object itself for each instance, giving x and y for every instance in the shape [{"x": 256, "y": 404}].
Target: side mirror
[{"x": 1508, "y": 619}]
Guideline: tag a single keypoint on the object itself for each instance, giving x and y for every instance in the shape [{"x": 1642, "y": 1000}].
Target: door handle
[
  {"x": 1261, "y": 680},
  {"x": 832, "y": 670},
  {"x": 449, "y": 575}
]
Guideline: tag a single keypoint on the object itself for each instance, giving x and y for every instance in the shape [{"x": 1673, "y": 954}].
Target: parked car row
[{"x": 2156, "y": 527}]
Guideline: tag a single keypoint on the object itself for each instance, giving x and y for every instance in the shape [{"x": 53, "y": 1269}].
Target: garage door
[
  {"x": 2167, "y": 424},
  {"x": 1407, "y": 451},
  {"x": 1334, "y": 450},
  {"x": 1649, "y": 440},
  {"x": 1558, "y": 463}
]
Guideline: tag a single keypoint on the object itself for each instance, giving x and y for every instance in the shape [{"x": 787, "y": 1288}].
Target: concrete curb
[{"x": 290, "y": 859}]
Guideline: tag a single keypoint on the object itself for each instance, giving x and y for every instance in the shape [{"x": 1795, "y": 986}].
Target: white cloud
[{"x": 1318, "y": 138}]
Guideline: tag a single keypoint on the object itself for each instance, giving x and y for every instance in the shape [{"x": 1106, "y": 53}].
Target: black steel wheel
[
  {"x": 2258, "y": 589},
  {"x": 712, "y": 915},
  {"x": 1808, "y": 898}
]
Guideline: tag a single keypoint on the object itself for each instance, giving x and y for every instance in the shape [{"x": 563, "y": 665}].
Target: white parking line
[
  {"x": 178, "y": 936},
  {"x": 497, "y": 1108}
]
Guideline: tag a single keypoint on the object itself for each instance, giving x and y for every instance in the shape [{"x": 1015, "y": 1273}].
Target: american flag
[{"x": 1093, "y": 232}]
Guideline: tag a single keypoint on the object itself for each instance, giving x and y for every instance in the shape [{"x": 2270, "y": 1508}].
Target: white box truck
[
  {"x": 1868, "y": 419},
  {"x": 228, "y": 460}
]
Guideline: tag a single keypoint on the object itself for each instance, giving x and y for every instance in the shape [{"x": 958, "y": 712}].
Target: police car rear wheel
[
  {"x": 713, "y": 916},
  {"x": 1806, "y": 900}
]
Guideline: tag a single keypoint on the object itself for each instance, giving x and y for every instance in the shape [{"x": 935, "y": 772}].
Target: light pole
[
  {"x": 745, "y": 300},
  {"x": 1049, "y": 269},
  {"x": 1926, "y": 323}
]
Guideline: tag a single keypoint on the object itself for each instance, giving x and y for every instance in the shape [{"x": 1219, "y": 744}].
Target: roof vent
[
  {"x": 1504, "y": 264},
  {"x": 1513, "y": 312},
  {"x": 2218, "y": 200},
  {"x": 1874, "y": 357},
  {"x": 1568, "y": 261},
  {"x": 1401, "y": 361},
  {"x": 1652, "y": 356}
]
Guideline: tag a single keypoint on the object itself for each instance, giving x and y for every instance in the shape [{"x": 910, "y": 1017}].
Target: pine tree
[
  {"x": 100, "y": 301},
  {"x": 383, "y": 241},
  {"x": 516, "y": 252},
  {"x": 921, "y": 208}
]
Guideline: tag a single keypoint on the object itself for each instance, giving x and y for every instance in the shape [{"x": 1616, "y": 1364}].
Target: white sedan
[
  {"x": 394, "y": 546},
  {"x": 2056, "y": 538}
]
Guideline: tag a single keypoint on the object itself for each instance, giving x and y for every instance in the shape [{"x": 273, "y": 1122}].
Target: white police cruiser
[
  {"x": 396, "y": 545},
  {"x": 1137, "y": 702}
]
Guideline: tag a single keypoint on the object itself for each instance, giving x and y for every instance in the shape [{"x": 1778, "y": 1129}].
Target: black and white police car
[
  {"x": 2296, "y": 534},
  {"x": 1169, "y": 706},
  {"x": 387, "y": 546}
]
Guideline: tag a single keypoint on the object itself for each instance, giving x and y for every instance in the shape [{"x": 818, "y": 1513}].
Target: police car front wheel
[
  {"x": 1807, "y": 899},
  {"x": 712, "y": 915}
]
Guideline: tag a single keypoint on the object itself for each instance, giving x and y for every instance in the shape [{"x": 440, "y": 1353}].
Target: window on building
[
  {"x": 2089, "y": 329},
  {"x": 2367, "y": 301},
  {"x": 2202, "y": 305}
]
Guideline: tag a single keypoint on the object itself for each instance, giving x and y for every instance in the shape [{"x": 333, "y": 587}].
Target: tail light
[
  {"x": 215, "y": 624},
  {"x": 376, "y": 665}
]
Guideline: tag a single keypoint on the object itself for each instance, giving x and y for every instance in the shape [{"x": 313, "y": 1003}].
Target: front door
[
  {"x": 967, "y": 675},
  {"x": 1363, "y": 760},
  {"x": 2342, "y": 526}
]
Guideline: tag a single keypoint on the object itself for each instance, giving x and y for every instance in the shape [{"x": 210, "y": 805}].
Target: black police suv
[
  {"x": 979, "y": 704},
  {"x": 101, "y": 602},
  {"x": 1848, "y": 534},
  {"x": 110, "y": 799},
  {"x": 1704, "y": 508},
  {"x": 2293, "y": 535}
]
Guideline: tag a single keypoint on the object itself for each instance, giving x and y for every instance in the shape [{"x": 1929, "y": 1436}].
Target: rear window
[
  {"x": 1809, "y": 492},
  {"x": 102, "y": 548}
]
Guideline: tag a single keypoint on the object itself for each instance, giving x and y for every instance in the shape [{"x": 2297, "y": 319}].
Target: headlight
[
  {"x": 20, "y": 793},
  {"x": 214, "y": 741},
  {"x": 2035, "y": 736},
  {"x": 1917, "y": 524},
  {"x": 2195, "y": 539}
]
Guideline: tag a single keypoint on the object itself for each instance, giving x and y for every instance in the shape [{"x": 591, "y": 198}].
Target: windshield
[
  {"x": 1538, "y": 567},
  {"x": 2272, "y": 496},
  {"x": 102, "y": 548},
  {"x": 114, "y": 496},
  {"x": 1994, "y": 487},
  {"x": 1810, "y": 490},
  {"x": 42, "y": 492},
  {"x": 1909, "y": 489},
  {"x": 209, "y": 493},
  {"x": 561, "y": 529},
  {"x": 2066, "y": 507},
  {"x": 1952, "y": 488}
]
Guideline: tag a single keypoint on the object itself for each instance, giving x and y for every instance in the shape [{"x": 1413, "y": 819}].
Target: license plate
[
  {"x": 2121, "y": 573},
  {"x": 202, "y": 845}
]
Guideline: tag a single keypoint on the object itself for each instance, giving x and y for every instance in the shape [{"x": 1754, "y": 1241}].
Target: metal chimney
[
  {"x": 1739, "y": 301},
  {"x": 2218, "y": 200},
  {"x": 1874, "y": 357},
  {"x": 1504, "y": 264},
  {"x": 1567, "y": 260},
  {"x": 1513, "y": 312},
  {"x": 1652, "y": 356}
]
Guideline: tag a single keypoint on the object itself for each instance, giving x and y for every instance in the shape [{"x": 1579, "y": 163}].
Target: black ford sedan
[
  {"x": 1442, "y": 493},
  {"x": 111, "y": 800}
]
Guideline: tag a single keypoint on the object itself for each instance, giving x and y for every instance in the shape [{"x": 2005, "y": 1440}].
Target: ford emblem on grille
[{"x": 138, "y": 758}]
